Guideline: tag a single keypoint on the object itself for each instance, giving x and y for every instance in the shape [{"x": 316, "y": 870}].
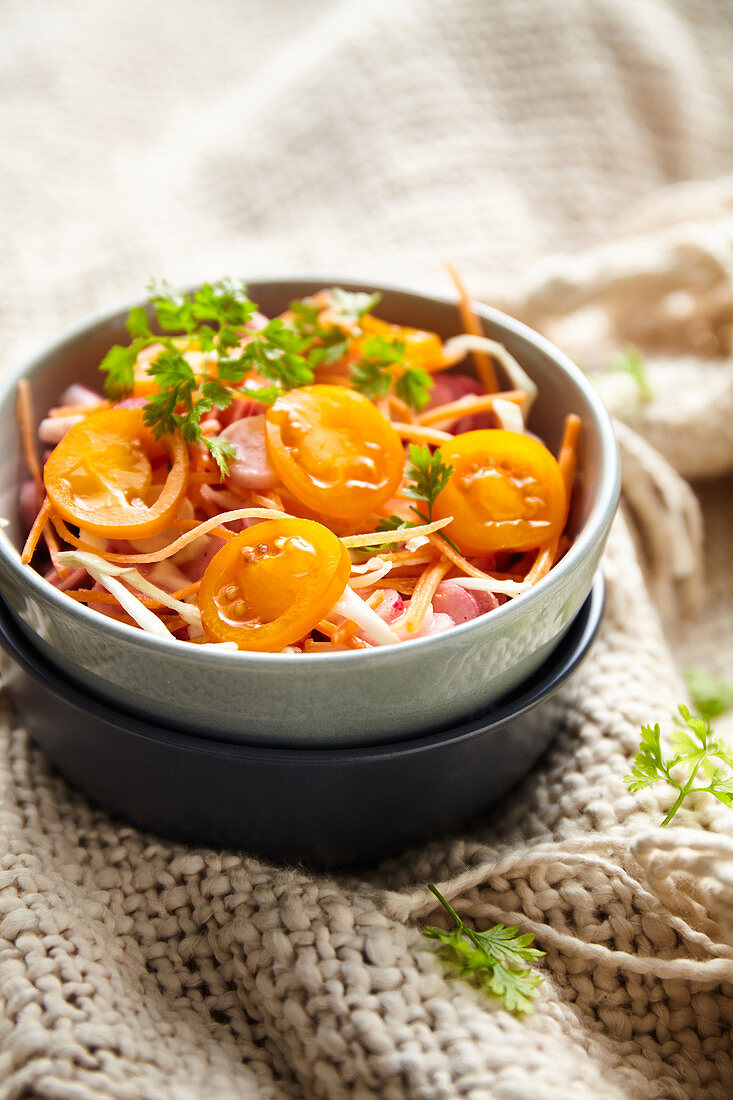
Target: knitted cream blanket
[{"x": 180, "y": 140}]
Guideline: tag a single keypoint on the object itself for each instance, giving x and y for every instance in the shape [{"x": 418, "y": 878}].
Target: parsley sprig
[
  {"x": 496, "y": 957},
  {"x": 383, "y": 366},
  {"x": 695, "y": 764},
  {"x": 428, "y": 476},
  {"x": 213, "y": 320},
  {"x": 204, "y": 360}
]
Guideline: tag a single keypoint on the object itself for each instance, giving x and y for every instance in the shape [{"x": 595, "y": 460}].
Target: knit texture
[{"x": 178, "y": 140}]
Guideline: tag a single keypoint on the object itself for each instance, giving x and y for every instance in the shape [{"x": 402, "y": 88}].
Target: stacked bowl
[{"x": 328, "y": 759}]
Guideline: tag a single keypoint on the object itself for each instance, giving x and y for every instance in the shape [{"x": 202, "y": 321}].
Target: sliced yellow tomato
[
  {"x": 271, "y": 584},
  {"x": 506, "y": 492},
  {"x": 422, "y": 349},
  {"x": 99, "y": 476},
  {"x": 334, "y": 450}
]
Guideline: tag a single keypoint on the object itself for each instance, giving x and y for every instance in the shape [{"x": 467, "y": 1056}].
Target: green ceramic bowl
[{"x": 356, "y": 697}]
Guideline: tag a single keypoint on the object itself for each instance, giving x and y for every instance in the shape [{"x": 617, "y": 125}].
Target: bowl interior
[{"x": 562, "y": 387}]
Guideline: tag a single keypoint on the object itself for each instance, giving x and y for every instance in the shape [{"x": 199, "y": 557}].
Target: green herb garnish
[
  {"x": 428, "y": 476},
  {"x": 382, "y": 367},
  {"x": 495, "y": 957},
  {"x": 214, "y": 319},
  {"x": 695, "y": 751},
  {"x": 348, "y": 307},
  {"x": 632, "y": 362},
  {"x": 710, "y": 695}
]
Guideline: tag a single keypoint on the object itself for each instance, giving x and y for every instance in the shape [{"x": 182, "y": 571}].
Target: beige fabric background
[{"x": 525, "y": 140}]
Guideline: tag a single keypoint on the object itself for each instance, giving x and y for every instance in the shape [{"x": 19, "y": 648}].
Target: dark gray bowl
[
  {"x": 321, "y": 699},
  {"x": 323, "y": 807}
]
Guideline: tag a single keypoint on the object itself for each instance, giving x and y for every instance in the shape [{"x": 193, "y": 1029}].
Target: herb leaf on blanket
[{"x": 495, "y": 956}]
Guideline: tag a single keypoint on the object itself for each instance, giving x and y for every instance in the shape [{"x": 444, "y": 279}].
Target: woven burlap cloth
[{"x": 527, "y": 141}]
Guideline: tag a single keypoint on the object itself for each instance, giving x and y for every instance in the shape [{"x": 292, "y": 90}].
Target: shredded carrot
[
  {"x": 420, "y": 434},
  {"x": 189, "y": 590},
  {"x": 404, "y": 585},
  {"x": 468, "y": 406},
  {"x": 36, "y": 530},
  {"x": 543, "y": 561},
  {"x": 567, "y": 455},
  {"x": 397, "y": 405},
  {"x": 192, "y": 524},
  {"x": 273, "y": 501},
  {"x": 457, "y": 559},
  {"x": 25, "y": 417},
  {"x": 423, "y": 595},
  {"x": 472, "y": 324},
  {"x": 547, "y": 554},
  {"x": 52, "y": 543}
]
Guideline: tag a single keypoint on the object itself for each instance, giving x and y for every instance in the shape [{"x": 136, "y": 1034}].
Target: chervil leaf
[
  {"x": 695, "y": 750},
  {"x": 137, "y": 324},
  {"x": 504, "y": 942},
  {"x": 517, "y": 988},
  {"x": 414, "y": 387},
  {"x": 493, "y": 957},
  {"x": 225, "y": 301},
  {"x": 177, "y": 385},
  {"x": 327, "y": 353},
  {"x": 326, "y": 344},
  {"x": 306, "y": 313},
  {"x": 173, "y": 309},
  {"x": 217, "y": 395},
  {"x": 348, "y": 307},
  {"x": 275, "y": 353},
  {"x": 710, "y": 695},
  {"x": 119, "y": 366},
  {"x": 264, "y": 394},
  {"x": 427, "y": 474},
  {"x": 382, "y": 367},
  {"x": 222, "y": 451},
  {"x": 632, "y": 362},
  {"x": 373, "y": 374}
]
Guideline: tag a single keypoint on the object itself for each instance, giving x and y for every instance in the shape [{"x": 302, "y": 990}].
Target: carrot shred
[
  {"x": 24, "y": 409},
  {"x": 421, "y": 434},
  {"x": 273, "y": 501},
  {"x": 547, "y": 554},
  {"x": 468, "y": 406},
  {"x": 543, "y": 562},
  {"x": 423, "y": 595},
  {"x": 567, "y": 455},
  {"x": 52, "y": 544},
  {"x": 401, "y": 407},
  {"x": 36, "y": 530},
  {"x": 404, "y": 585},
  {"x": 457, "y": 559},
  {"x": 471, "y": 324}
]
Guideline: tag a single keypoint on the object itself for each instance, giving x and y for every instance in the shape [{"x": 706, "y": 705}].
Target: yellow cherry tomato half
[
  {"x": 506, "y": 492},
  {"x": 99, "y": 476},
  {"x": 334, "y": 450},
  {"x": 271, "y": 584},
  {"x": 422, "y": 349}
]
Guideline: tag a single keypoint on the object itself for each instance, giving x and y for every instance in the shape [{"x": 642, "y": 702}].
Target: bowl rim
[{"x": 604, "y": 507}]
